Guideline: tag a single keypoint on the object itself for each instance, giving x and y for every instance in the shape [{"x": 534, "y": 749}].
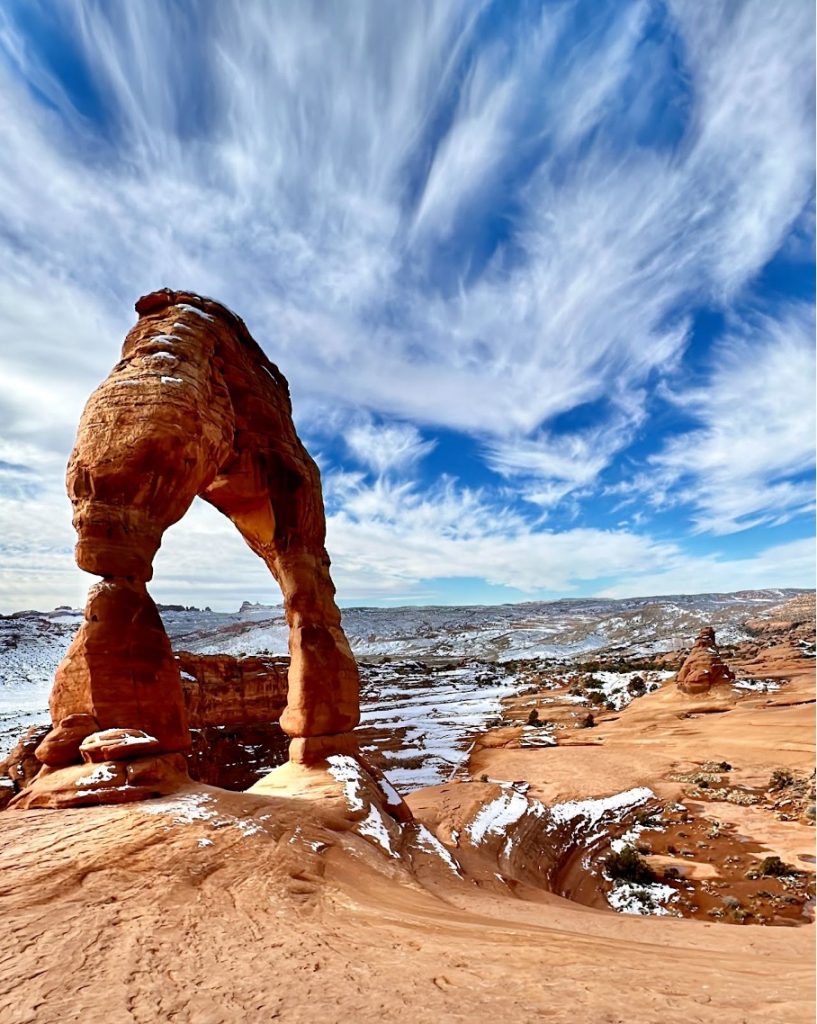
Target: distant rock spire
[{"x": 704, "y": 666}]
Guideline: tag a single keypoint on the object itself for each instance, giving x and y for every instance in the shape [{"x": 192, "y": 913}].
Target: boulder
[
  {"x": 118, "y": 745},
  {"x": 104, "y": 782},
  {"x": 61, "y": 745}
]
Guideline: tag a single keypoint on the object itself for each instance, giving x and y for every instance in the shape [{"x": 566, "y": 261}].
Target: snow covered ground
[
  {"x": 423, "y": 721},
  {"x": 426, "y": 711},
  {"x": 569, "y": 629}
]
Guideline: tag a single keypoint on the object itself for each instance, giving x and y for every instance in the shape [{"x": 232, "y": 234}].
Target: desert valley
[{"x": 574, "y": 836}]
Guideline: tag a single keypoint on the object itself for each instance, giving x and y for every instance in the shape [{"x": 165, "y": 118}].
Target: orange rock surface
[
  {"x": 703, "y": 667},
  {"x": 220, "y": 690}
]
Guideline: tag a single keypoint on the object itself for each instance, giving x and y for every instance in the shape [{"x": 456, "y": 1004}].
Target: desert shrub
[
  {"x": 781, "y": 777},
  {"x": 593, "y": 684},
  {"x": 637, "y": 687},
  {"x": 628, "y": 866},
  {"x": 774, "y": 867},
  {"x": 596, "y": 698}
]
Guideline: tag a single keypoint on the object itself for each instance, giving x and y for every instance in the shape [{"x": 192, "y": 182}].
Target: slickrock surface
[
  {"x": 317, "y": 894},
  {"x": 703, "y": 667},
  {"x": 312, "y": 901},
  {"x": 193, "y": 408}
]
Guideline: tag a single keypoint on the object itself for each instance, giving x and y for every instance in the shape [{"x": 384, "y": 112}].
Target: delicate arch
[{"x": 195, "y": 408}]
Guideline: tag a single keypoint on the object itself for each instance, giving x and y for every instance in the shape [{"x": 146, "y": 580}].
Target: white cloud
[
  {"x": 317, "y": 172},
  {"x": 744, "y": 465},
  {"x": 404, "y": 535},
  {"x": 391, "y": 538},
  {"x": 550, "y": 466},
  {"x": 389, "y": 541},
  {"x": 287, "y": 196},
  {"x": 387, "y": 446},
  {"x": 781, "y": 565}
]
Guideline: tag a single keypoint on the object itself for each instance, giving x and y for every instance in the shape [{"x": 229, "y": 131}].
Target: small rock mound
[{"x": 703, "y": 667}]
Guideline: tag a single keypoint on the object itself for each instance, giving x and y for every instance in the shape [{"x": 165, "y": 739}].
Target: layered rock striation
[
  {"x": 234, "y": 706},
  {"x": 193, "y": 408},
  {"x": 221, "y": 690},
  {"x": 703, "y": 667}
]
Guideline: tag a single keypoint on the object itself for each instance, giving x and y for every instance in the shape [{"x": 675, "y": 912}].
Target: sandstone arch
[{"x": 195, "y": 408}]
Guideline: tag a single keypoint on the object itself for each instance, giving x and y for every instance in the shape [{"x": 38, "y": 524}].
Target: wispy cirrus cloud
[
  {"x": 752, "y": 459},
  {"x": 386, "y": 447},
  {"x": 459, "y": 217}
]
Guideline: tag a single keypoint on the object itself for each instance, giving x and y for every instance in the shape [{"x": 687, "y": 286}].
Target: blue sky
[{"x": 541, "y": 276}]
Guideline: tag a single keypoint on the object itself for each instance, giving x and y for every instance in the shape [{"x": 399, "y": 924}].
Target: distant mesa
[
  {"x": 704, "y": 667},
  {"x": 249, "y": 607},
  {"x": 194, "y": 408}
]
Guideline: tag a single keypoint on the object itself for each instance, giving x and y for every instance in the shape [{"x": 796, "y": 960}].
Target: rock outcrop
[
  {"x": 233, "y": 709},
  {"x": 221, "y": 690},
  {"x": 234, "y": 706},
  {"x": 703, "y": 667},
  {"x": 193, "y": 408},
  {"x": 21, "y": 764}
]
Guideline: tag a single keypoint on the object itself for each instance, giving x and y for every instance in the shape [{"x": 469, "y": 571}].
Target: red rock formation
[
  {"x": 195, "y": 408},
  {"x": 120, "y": 668},
  {"x": 703, "y": 667},
  {"x": 62, "y": 746},
  {"x": 21, "y": 764},
  {"x": 234, "y": 706},
  {"x": 220, "y": 690}
]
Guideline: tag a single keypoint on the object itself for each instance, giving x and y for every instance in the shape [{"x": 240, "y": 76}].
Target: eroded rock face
[
  {"x": 21, "y": 764},
  {"x": 63, "y": 744},
  {"x": 120, "y": 668},
  {"x": 195, "y": 408},
  {"x": 703, "y": 667},
  {"x": 220, "y": 690},
  {"x": 234, "y": 706}
]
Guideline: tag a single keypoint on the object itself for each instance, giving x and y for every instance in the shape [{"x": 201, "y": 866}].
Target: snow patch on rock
[
  {"x": 644, "y": 900},
  {"x": 102, "y": 773},
  {"x": 496, "y": 817},
  {"x": 591, "y": 812},
  {"x": 426, "y": 840},
  {"x": 345, "y": 769},
  {"x": 374, "y": 827}
]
